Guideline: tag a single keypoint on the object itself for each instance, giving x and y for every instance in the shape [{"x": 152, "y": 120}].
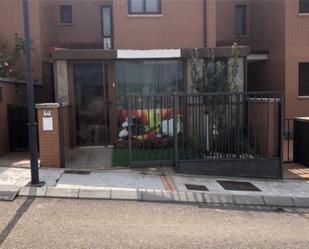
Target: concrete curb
[{"x": 152, "y": 195}]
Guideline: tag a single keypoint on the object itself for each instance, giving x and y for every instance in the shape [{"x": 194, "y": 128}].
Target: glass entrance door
[{"x": 91, "y": 110}]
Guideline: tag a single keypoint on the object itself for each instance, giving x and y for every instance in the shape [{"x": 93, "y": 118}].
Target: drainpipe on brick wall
[{"x": 205, "y": 22}]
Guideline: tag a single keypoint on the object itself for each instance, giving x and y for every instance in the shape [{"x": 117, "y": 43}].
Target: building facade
[{"x": 90, "y": 54}]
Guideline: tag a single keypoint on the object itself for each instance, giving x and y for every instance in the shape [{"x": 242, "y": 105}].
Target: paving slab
[
  {"x": 249, "y": 200},
  {"x": 157, "y": 195},
  {"x": 189, "y": 197},
  {"x": 279, "y": 201},
  {"x": 301, "y": 201},
  {"x": 11, "y": 188},
  {"x": 94, "y": 194},
  {"x": 62, "y": 193},
  {"x": 122, "y": 194},
  {"x": 111, "y": 179},
  {"x": 219, "y": 198},
  {"x": 32, "y": 191}
]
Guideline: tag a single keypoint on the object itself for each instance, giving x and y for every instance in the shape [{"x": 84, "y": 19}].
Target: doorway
[
  {"x": 18, "y": 128},
  {"x": 91, "y": 104}
]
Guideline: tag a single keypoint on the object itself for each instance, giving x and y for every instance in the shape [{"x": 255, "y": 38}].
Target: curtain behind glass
[{"x": 149, "y": 77}]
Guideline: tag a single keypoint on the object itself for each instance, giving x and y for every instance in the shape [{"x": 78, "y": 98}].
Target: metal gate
[{"x": 215, "y": 133}]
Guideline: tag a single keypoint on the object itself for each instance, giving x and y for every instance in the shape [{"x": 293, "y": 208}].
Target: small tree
[
  {"x": 212, "y": 74},
  {"x": 9, "y": 58}
]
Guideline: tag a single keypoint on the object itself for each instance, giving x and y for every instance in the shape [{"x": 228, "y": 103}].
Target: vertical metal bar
[
  {"x": 247, "y": 99},
  {"x": 136, "y": 128},
  {"x": 32, "y": 125},
  {"x": 238, "y": 130},
  {"x": 143, "y": 128},
  {"x": 129, "y": 131},
  {"x": 148, "y": 142},
  {"x": 201, "y": 137},
  {"x": 104, "y": 104},
  {"x": 288, "y": 137},
  {"x": 61, "y": 135},
  {"x": 230, "y": 120},
  {"x": 155, "y": 127},
  {"x": 162, "y": 149},
  {"x": 175, "y": 131},
  {"x": 267, "y": 120},
  {"x": 281, "y": 136},
  {"x": 241, "y": 119}
]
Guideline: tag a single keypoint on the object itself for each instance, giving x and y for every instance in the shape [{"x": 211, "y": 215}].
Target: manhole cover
[
  {"x": 196, "y": 187},
  {"x": 7, "y": 195},
  {"x": 238, "y": 186},
  {"x": 77, "y": 172}
]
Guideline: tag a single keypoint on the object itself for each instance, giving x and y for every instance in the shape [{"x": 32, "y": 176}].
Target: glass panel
[
  {"x": 153, "y": 6},
  {"x": 136, "y": 6},
  {"x": 89, "y": 97},
  {"x": 107, "y": 21},
  {"x": 241, "y": 19},
  {"x": 147, "y": 78},
  {"x": 66, "y": 14},
  {"x": 303, "y": 6}
]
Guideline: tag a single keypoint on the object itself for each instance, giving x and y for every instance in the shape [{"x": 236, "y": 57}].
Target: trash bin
[{"x": 301, "y": 140}]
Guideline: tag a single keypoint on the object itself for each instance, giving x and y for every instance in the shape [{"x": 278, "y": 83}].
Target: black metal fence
[
  {"x": 288, "y": 140},
  {"x": 215, "y": 133}
]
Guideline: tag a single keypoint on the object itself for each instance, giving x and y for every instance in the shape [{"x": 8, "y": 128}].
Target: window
[
  {"x": 144, "y": 6},
  {"x": 65, "y": 14},
  {"x": 303, "y": 79},
  {"x": 241, "y": 19},
  {"x": 107, "y": 30},
  {"x": 303, "y": 6},
  {"x": 147, "y": 77}
]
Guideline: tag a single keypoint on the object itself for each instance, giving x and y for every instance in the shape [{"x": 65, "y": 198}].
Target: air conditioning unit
[{"x": 107, "y": 43}]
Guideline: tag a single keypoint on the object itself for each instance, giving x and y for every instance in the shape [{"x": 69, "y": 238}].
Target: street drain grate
[
  {"x": 8, "y": 195},
  {"x": 196, "y": 187},
  {"x": 238, "y": 186},
  {"x": 77, "y": 172}
]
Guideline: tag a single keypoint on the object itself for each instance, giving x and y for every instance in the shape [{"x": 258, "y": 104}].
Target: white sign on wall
[{"x": 47, "y": 124}]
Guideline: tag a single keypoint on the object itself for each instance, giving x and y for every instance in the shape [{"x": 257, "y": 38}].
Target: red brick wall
[
  {"x": 180, "y": 26},
  {"x": 49, "y": 140},
  {"x": 297, "y": 47}
]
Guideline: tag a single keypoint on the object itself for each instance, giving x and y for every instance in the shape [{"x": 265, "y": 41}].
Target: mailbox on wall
[{"x": 47, "y": 120}]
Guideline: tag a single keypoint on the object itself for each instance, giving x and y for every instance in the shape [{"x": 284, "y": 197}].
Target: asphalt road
[{"x": 63, "y": 223}]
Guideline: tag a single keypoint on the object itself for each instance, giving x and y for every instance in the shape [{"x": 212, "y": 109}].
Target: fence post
[
  {"x": 61, "y": 135},
  {"x": 129, "y": 131},
  {"x": 281, "y": 134},
  {"x": 175, "y": 134}
]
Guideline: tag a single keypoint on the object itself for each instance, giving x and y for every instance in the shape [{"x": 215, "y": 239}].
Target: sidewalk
[{"x": 156, "y": 185}]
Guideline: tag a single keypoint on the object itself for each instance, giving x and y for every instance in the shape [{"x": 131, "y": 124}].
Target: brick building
[{"x": 90, "y": 53}]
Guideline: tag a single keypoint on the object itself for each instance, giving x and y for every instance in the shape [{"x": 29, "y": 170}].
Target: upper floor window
[
  {"x": 303, "y": 6},
  {"x": 241, "y": 19},
  {"x": 107, "y": 27},
  {"x": 65, "y": 13},
  {"x": 144, "y": 6},
  {"x": 303, "y": 79}
]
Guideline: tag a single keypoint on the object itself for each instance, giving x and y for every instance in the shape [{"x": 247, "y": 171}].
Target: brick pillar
[{"x": 49, "y": 134}]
